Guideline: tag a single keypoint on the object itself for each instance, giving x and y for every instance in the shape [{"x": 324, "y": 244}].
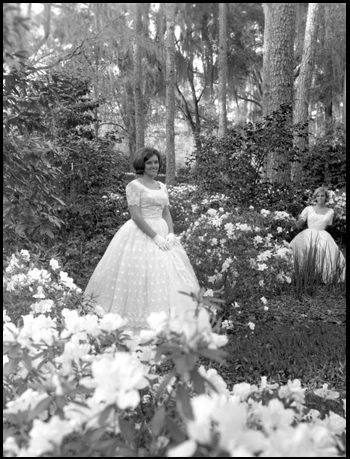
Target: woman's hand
[
  {"x": 171, "y": 238},
  {"x": 161, "y": 242}
]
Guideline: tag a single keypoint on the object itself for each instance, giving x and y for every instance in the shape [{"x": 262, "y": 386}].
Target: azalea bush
[
  {"x": 29, "y": 288},
  {"x": 243, "y": 254},
  {"x": 78, "y": 383}
]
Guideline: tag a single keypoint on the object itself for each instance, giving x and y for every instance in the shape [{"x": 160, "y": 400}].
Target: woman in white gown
[
  {"x": 316, "y": 242},
  {"x": 145, "y": 266}
]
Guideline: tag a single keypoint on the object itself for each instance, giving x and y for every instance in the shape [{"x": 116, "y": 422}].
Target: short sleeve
[
  {"x": 330, "y": 217},
  {"x": 164, "y": 188},
  {"x": 133, "y": 194},
  {"x": 304, "y": 214}
]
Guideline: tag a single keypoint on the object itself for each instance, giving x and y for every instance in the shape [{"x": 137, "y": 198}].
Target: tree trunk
[
  {"x": 328, "y": 71},
  {"x": 222, "y": 69},
  {"x": 301, "y": 109},
  {"x": 170, "y": 94},
  {"x": 278, "y": 66},
  {"x": 301, "y": 15},
  {"x": 139, "y": 111},
  {"x": 344, "y": 104}
]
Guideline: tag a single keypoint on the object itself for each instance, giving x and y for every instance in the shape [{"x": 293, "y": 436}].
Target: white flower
[
  {"x": 45, "y": 435},
  {"x": 226, "y": 264},
  {"x": 25, "y": 255},
  {"x": 251, "y": 207},
  {"x": 263, "y": 300},
  {"x": 279, "y": 229},
  {"x": 40, "y": 293},
  {"x": 266, "y": 308},
  {"x": 54, "y": 264},
  {"x": 262, "y": 266},
  {"x": 264, "y": 212},
  {"x": 209, "y": 292},
  {"x": 111, "y": 322},
  {"x": 251, "y": 325},
  {"x": 42, "y": 306},
  {"x": 227, "y": 324},
  {"x": 27, "y": 401},
  {"x": 243, "y": 390},
  {"x": 276, "y": 416},
  {"x": 292, "y": 390},
  {"x": 66, "y": 280},
  {"x": 212, "y": 375},
  {"x": 185, "y": 449},
  {"x": 261, "y": 283},
  {"x": 211, "y": 212},
  {"x": 334, "y": 423},
  {"x": 117, "y": 380},
  {"x": 258, "y": 240},
  {"x": 10, "y": 286},
  {"x": 326, "y": 393},
  {"x": 157, "y": 321}
]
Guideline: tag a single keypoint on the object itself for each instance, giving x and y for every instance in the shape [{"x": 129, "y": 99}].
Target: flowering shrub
[
  {"x": 30, "y": 289},
  {"x": 245, "y": 253},
  {"x": 77, "y": 385}
]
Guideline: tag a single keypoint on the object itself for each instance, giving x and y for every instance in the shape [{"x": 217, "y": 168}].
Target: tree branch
[{"x": 250, "y": 100}]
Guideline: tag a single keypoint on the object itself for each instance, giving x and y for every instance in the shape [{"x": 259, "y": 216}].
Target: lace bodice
[
  {"x": 151, "y": 202},
  {"x": 317, "y": 221}
]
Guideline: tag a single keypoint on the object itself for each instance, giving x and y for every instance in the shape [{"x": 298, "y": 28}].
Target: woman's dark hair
[{"x": 142, "y": 155}]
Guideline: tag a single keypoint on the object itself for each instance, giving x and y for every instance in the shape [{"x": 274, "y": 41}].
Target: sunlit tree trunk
[
  {"x": 137, "y": 77},
  {"x": 170, "y": 94},
  {"x": 222, "y": 87},
  {"x": 278, "y": 67},
  {"x": 344, "y": 102},
  {"x": 301, "y": 108}
]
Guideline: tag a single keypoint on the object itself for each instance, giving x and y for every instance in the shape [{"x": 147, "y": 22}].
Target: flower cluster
[
  {"x": 246, "y": 250},
  {"x": 90, "y": 380}
]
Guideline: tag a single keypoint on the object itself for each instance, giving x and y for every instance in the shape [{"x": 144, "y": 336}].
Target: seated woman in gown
[
  {"x": 316, "y": 242},
  {"x": 145, "y": 266}
]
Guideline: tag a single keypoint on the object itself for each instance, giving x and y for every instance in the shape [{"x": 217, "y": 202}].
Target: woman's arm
[
  {"x": 167, "y": 217},
  {"x": 140, "y": 221},
  {"x": 302, "y": 217}
]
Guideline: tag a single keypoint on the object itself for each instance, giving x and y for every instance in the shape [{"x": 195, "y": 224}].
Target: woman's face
[
  {"x": 321, "y": 197},
  {"x": 151, "y": 166}
]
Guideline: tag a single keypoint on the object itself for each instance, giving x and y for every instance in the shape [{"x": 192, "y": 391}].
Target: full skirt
[
  {"x": 319, "y": 246},
  {"x": 135, "y": 277}
]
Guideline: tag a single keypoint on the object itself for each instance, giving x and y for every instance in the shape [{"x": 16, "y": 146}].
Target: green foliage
[
  {"x": 325, "y": 162},
  {"x": 234, "y": 165}
]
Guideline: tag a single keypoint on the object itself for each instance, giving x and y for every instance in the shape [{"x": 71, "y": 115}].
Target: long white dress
[
  {"x": 329, "y": 259},
  {"x": 135, "y": 277}
]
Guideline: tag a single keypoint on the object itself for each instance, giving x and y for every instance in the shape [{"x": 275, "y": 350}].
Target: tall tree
[
  {"x": 278, "y": 67},
  {"x": 222, "y": 90},
  {"x": 301, "y": 108},
  {"x": 170, "y": 93},
  {"x": 139, "y": 111}
]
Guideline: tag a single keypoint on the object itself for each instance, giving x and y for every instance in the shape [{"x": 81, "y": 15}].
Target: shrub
[{"x": 76, "y": 385}]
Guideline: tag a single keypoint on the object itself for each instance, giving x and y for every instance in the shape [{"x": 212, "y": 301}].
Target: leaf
[
  {"x": 127, "y": 429},
  {"x": 42, "y": 406},
  {"x": 157, "y": 423},
  {"x": 105, "y": 413},
  {"x": 183, "y": 398},
  {"x": 164, "y": 384},
  {"x": 96, "y": 434},
  {"x": 198, "y": 381},
  {"x": 174, "y": 430}
]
